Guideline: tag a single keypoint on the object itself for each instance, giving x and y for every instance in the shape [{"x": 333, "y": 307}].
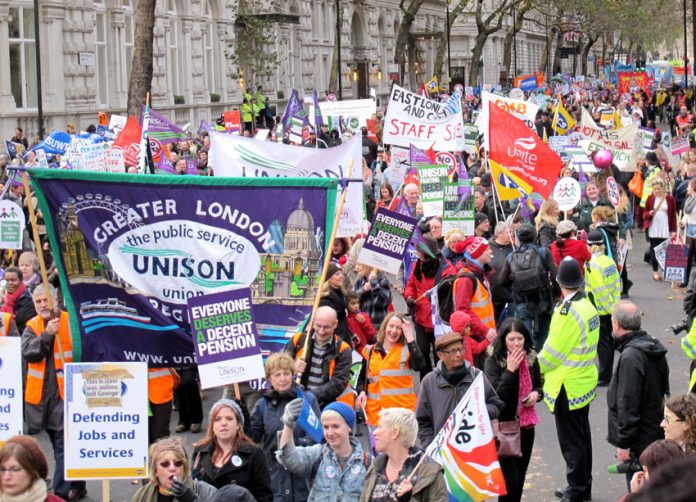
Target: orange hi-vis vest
[
  {"x": 6, "y": 318},
  {"x": 160, "y": 385},
  {"x": 347, "y": 396},
  {"x": 481, "y": 303},
  {"x": 33, "y": 392},
  {"x": 389, "y": 381}
]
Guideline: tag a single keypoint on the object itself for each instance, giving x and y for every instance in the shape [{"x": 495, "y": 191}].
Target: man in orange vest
[
  {"x": 472, "y": 291},
  {"x": 44, "y": 389},
  {"x": 325, "y": 368},
  {"x": 160, "y": 393}
]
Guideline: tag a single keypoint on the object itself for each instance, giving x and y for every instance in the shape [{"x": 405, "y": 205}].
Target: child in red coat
[
  {"x": 460, "y": 322},
  {"x": 359, "y": 323}
]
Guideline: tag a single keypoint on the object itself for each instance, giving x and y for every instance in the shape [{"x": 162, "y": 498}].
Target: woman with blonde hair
[
  {"x": 604, "y": 219},
  {"x": 170, "y": 476},
  {"x": 546, "y": 222},
  {"x": 333, "y": 295},
  {"x": 400, "y": 469},
  {"x": 387, "y": 374},
  {"x": 226, "y": 455}
]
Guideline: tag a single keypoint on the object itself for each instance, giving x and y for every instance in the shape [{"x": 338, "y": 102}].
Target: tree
[
  {"x": 403, "y": 38},
  {"x": 442, "y": 45},
  {"x": 141, "y": 66},
  {"x": 514, "y": 28},
  {"x": 335, "y": 70}
]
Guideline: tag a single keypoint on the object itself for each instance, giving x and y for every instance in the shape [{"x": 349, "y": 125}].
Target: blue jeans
[
  {"x": 61, "y": 487},
  {"x": 536, "y": 316}
]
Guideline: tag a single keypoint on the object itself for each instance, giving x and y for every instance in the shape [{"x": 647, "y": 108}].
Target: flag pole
[
  {"x": 495, "y": 192},
  {"x": 327, "y": 261},
  {"x": 555, "y": 115}
]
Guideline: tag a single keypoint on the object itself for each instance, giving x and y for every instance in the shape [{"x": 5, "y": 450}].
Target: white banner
[
  {"x": 106, "y": 420},
  {"x": 353, "y": 112},
  {"x": 237, "y": 156},
  {"x": 11, "y": 395},
  {"x": 524, "y": 110},
  {"x": 620, "y": 142},
  {"x": 413, "y": 120}
]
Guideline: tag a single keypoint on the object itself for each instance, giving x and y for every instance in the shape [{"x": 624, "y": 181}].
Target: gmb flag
[{"x": 132, "y": 249}]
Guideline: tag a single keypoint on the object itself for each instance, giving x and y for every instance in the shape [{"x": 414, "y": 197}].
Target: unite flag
[{"x": 465, "y": 448}]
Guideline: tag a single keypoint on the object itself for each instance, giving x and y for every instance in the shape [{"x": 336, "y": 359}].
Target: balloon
[{"x": 603, "y": 159}]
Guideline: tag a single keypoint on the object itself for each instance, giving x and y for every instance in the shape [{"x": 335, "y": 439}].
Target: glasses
[
  {"x": 167, "y": 463},
  {"x": 459, "y": 350},
  {"x": 11, "y": 470},
  {"x": 669, "y": 421}
]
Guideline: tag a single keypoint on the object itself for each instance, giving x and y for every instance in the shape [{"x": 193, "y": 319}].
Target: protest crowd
[{"x": 503, "y": 229}]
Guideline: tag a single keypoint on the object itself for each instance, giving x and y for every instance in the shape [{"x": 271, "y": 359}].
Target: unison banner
[
  {"x": 232, "y": 155},
  {"x": 132, "y": 249},
  {"x": 413, "y": 119}
]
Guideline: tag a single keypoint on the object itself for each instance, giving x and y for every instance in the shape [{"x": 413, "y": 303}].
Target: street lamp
[{"x": 686, "y": 56}]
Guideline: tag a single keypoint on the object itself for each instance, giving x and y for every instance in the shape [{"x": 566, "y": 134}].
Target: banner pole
[
  {"x": 496, "y": 195},
  {"x": 327, "y": 261},
  {"x": 39, "y": 253},
  {"x": 106, "y": 490}
]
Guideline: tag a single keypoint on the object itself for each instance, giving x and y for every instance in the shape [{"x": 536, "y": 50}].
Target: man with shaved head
[{"x": 325, "y": 367}]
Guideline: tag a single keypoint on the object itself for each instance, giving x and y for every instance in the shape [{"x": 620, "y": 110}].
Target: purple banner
[{"x": 133, "y": 249}]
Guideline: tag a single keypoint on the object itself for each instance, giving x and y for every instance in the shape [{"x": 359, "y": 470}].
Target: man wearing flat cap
[{"x": 443, "y": 388}]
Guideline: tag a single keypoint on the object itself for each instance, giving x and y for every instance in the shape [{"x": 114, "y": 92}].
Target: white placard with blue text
[
  {"x": 11, "y": 398},
  {"x": 106, "y": 420}
]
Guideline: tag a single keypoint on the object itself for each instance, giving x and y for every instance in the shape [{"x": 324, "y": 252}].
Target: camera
[{"x": 680, "y": 326}]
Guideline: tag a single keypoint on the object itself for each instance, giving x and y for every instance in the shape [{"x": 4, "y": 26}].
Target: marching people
[
  {"x": 266, "y": 424},
  {"x": 335, "y": 470},
  {"x": 512, "y": 369},
  {"x": 24, "y": 472},
  {"x": 333, "y": 295},
  {"x": 375, "y": 294},
  {"x": 603, "y": 288},
  {"x": 582, "y": 214},
  {"x": 546, "y": 222},
  {"x": 570, "y": 378},
  {"x": 387, "y": 374},
  {"x": 171, "y": 476},
  {"x": 501, "y": 247},
  {"x": 441, "y": 389},
  {"x": 359, "y": 323},
  {"x": 325, "y": 366},
  {"x": 401, "y": 470},
  {"x": 46, "y": 348},
  {"x": 638, "y": 388},
  {"x": 679, "y": 421},
  {"x": 659, "y": 220},
  {"x": 228, "y": 456},
  {"x": 567, "y": 244}
]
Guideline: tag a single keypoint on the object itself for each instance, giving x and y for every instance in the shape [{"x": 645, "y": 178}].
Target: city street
[{"x": 662, "y": 307}]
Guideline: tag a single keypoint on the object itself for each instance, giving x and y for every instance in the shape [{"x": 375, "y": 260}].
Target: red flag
[
  {"x": 423, "y": 91},
  {"x": 128, "y": 140},
  {"x": 522, "y": 152}
]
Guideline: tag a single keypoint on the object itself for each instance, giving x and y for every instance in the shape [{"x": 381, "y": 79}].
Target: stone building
[{"x": 87, "y": 47}]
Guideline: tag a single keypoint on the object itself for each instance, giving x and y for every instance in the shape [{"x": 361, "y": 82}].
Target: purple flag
[
  {"x": 318, "y": 119},
  {"x": 525, "y": 210},
  {"x": 582, "y": 179},
  {"x": 165, "y": 165},
  {"x": 191, "y": 165},
  {"x": 418, "y": 156},
  {"x": 160, "y": 128},
  {"x": 292, "y": 109}
]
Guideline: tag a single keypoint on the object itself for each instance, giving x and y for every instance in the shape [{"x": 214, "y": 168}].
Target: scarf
[
  {"x": 11, "y": 299},
  {"x": 528, "y": 415},
  {"x": 456, "y": 376},
  {"x": 35, "y": 493}
]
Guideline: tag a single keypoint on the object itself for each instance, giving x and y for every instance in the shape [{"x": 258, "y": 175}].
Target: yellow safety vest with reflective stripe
[
  {"x": 389, "y": 381},
  {"x": 602, "y": 279},
  {"x": 568, "y": 356},
  {"x": 33, "y": 392},
  {"x": 688, "y": 345},
  {"x": 647, "y": 185}
]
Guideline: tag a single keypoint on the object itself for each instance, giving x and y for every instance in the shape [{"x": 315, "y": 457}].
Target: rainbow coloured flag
[{"x": 465, "y": 447}]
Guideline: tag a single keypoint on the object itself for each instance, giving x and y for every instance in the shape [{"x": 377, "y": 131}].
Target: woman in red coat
[
  {"x": 567, "y": 244},
  {"x": 421, "y": 280},
  {"x": 659, "y": 220}
]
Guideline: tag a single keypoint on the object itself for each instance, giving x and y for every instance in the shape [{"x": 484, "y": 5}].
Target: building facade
[{"x": 87, "y": 47}]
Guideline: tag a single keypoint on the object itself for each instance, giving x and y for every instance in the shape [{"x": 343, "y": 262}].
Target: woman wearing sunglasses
[
  {"x": 228, "y": 456},
  {"x": 170, "y": 476}
]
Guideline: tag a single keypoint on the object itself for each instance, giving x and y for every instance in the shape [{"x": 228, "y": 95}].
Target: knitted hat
[
  {"x": 459, "y": 321},
  {"x": 446, "y": 340},
  {"x": 565, "y": 228},
  {"x": 344, "y": 410},
  {"x": 37, "y": 457},
  {"x": 473, "y": 246},
  {"x": 526, "y": 233},
  {"x": 332, "y": 270},
  {"x": 480, "y": 218},
  {"x": 595, "y": 238},
  {"x": 485, "y": 180},
  {"x": 230, "y": 404}
]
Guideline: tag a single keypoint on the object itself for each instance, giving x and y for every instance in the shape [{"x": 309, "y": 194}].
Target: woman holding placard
[
  {"x": 659, "y": 219},
  {"x": 23, "y": 472}
]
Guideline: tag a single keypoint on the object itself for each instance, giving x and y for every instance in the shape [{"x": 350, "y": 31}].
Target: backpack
[
  {"x": 528, "y": 272},
  {"x": 445, "y": 294}
]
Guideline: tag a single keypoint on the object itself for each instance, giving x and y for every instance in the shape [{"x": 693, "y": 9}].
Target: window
[
  {"x": 101, "y": 60},
  {"x": 173, "y": 49},
  {"x": 209, "y": 37},
  {"x": 23, "y": 57},
  {"x": 129, "y": 42}
]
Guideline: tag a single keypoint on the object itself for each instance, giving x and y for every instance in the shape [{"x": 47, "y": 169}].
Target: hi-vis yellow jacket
[
  {"x": 688, "y": 345},
  {"x": 568, "y": 356},
  {"x": 602, "y": 279}
]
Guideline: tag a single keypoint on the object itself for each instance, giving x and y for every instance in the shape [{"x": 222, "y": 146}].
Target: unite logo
[{"x": 522, "y": 149}]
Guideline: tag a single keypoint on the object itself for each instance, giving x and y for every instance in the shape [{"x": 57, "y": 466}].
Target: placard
[
  {"x": 11, "y": 395},
  {"x": 676, "y": 262},
  {"x": 432, "y": 179},
  {"x": 613, "y": 192},
  {"x": 225, "y": 338},
  {"x": 458, "y": 213},
  {"x": 106, "y": 420},
  {"x": 12, "y": 223},
  {"x": 680, "y": 144},
  {"x": 386, "y": 243},
  {"x": 567, "y": 193}
]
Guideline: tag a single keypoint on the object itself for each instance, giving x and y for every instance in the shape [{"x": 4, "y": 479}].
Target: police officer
[
  {"x": 567, "y": 363},
  {"x": 603, "y": 288}
]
